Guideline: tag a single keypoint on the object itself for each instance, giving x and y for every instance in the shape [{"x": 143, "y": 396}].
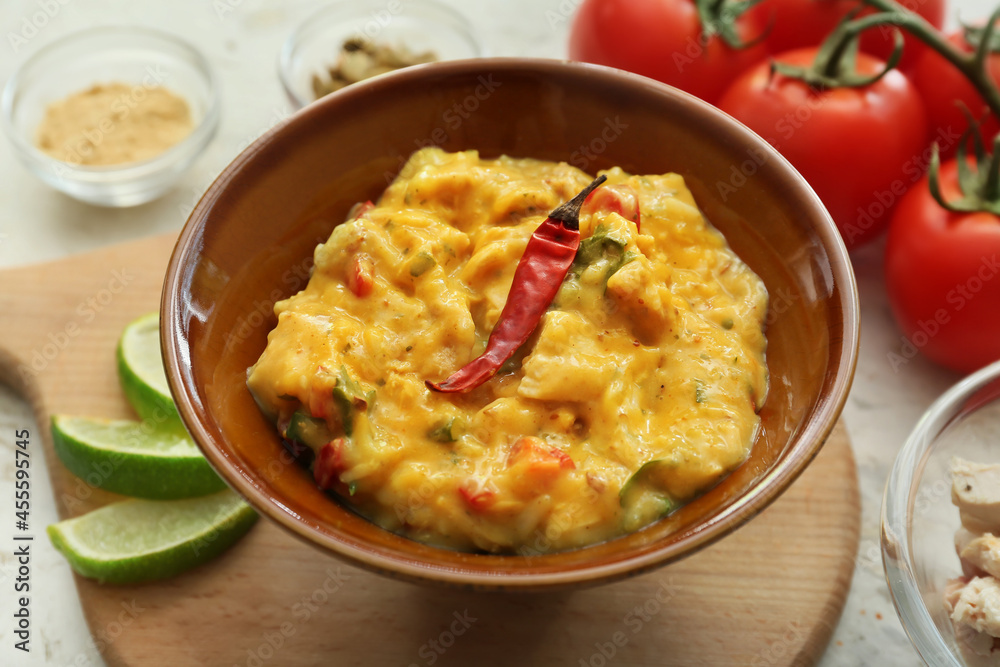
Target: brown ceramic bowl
[{"x": 249, "y": 243}]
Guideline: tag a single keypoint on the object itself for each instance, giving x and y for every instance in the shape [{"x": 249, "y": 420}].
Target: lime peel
[
  {"x": 132, "y": 458},
  {"x": 139, "y": 540},
  {"x": 140, "y": 369}
]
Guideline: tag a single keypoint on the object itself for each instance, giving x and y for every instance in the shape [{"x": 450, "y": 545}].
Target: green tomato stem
[
  {"x": 973, "y": 65},
  {"x": 836, "y": 57},
  {"x": 718, "y": 19},
  {"x": 991, "y": 187},
  {"x": 980, "y": 189}
]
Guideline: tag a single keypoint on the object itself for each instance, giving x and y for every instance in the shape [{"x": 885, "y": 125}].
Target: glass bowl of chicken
[{"x": 940, "y": 526}]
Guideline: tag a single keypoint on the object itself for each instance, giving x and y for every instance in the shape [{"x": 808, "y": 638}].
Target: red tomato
[
  {"x": 662, "y": 39},
  {"x": 477, "y": 494},
  {"x": 619, "y": 198},
  {"x": 800, "y": 23},
  {"x": 942, "y": 87},
  {"x": 330, "y": 463},
  {"x": 540, "y": 463},
  {"x": 795, "y": 24},
  {"x": 942, "y": 273},
  {"x": 859, "y": 148},
  {"x": 361, "y": 274}
]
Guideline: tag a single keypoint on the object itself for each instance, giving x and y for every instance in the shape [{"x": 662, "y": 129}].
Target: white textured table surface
[{"x": 241, "y": 39}]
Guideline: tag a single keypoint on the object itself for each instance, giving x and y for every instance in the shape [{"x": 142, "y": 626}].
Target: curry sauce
[{"x": 638, "y": 390}]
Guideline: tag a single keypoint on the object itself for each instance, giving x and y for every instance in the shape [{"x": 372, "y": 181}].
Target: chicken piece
[
  {"x": 646, "y": 301},
  {"x": 953, "y": 590},
  {"x": 973, "y": 524},
  {"x": 983, "y": 552},
  {"x": 978, "y": 606},
  {"x": 978, "y": 648},
  {"x": 976, "y": 491},
  {"x": 964, "y": 538},
  {"x": 566, "y": 364}
]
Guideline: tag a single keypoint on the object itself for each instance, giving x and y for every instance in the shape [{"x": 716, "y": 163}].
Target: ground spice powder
[{"x": 114, "y": 123}]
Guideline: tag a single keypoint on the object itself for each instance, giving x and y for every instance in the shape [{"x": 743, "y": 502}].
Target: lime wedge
[
  {"x": 140, "y": 368},
  {"x": 132, "y": 458},
  {"x": 143, "y": 540}
]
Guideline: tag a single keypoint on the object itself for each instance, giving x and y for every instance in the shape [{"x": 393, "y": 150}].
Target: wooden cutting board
[{"x": 770, "y": 594}]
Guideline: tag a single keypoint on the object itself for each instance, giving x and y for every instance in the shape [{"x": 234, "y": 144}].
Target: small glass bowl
[
  {"x": 126, "y": 54},
  {"x": 420, "y": 25},
  {"x": 918, "y": 518}
]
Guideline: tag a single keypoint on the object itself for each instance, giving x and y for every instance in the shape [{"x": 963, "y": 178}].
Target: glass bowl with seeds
[{"x": 347, "y": 42}]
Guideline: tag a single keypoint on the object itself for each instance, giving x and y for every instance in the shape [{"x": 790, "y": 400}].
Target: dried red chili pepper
[{"x": 537, "y": 278}]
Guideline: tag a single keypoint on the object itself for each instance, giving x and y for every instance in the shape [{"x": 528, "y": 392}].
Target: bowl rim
[
  {"x": 195, "y": 141},
  {"x": 897, "y": 507},
  {"x": 458, "y": 22},
  {"x": 810, "y": 437}
]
